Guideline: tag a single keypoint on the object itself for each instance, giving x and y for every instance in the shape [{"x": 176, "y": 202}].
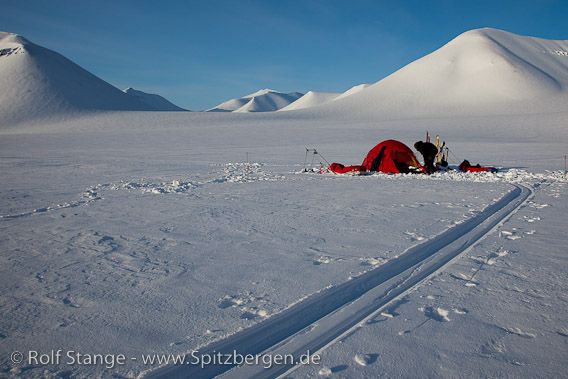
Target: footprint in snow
[
  {"x": 469, "y": 282},
  {"x": 252, "y": 313},
  {"x": 323, "y": 260},
  {"x": 518, "y": 331},
  {"x": 437, "y": 314},
  {"x": 339, "y": 368},
  {"x": 531, "y": 219},
  {"x": 563, "y": 332},
  {"x": 537, "y": 206},
  {"x": 213, "y": 331},
  {"x": 68, "y": 300},
  {"x": 108, "y": 242},
  {"x": 231, "y": 301},
  {"x": 386, "y": 314},
  {"x": 167, "y": 228},
  {"x": 492, "y": 348},
  {"x": 391, "y": 312},
  {"x": 371, "y": 261},
  {"x": 415, "y": 236},
  {"x": 325, "y": 372},
  {"x": 365, "y": 359},
  {"x": 510, "y": 235},
  {"x": 499, "y": 254},
  {"x": 460, "y": 311},
  {"x": 490, "y": 260}
]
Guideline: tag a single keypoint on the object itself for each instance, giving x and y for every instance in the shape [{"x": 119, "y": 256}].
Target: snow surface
[
  {"x": 153, "y": 101},
  {"x": 153, "y": 232},
  {"x": 146, "y": 238},
  {"x": 353, "y": 90},
  {"x": 265, "y": 100}
]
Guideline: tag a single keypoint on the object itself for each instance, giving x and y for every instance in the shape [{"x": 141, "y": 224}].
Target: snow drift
[
  {"x": 37, "y": 83},
  {"x": 265, "y": 100},
  {"x": 482, "y": 71},
  {"x": 153, "y": 101}
]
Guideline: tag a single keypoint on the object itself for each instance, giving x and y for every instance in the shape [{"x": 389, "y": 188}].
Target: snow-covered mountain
[
  {"x": 311, "y": 99},
  {"x": 156, "y": 102},
  {"x": 265, "y": 100},
  {"x": 37, "y": 82},
  {"x": 482, "y": 71}
]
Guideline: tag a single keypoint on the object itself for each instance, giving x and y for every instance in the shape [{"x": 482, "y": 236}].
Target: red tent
[
  {"x": 392, "y": 157},
  {"x": 389, "y": 156}
]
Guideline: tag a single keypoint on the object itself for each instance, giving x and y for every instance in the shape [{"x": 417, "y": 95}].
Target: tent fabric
[
  {"x": 465, "y": 166},
  {"x": 338, "y": 168},
  {"x": 390, "y": 156}
]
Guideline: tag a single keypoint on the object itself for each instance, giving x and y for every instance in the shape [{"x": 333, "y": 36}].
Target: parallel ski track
[{"x": 325, "y": 317}]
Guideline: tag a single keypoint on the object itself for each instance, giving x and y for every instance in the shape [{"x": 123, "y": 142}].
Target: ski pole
[{"x": 322, "y": 157}]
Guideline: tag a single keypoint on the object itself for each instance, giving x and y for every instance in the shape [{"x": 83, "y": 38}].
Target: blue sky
[{"x": 200, "y": 53}]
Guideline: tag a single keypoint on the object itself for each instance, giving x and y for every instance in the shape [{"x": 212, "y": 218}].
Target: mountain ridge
[
  {"x": 39, "y": 83},
  {"x": 481, "y": 71}
]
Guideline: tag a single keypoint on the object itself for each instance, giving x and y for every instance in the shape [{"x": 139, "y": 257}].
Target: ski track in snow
[
  {"x": 503, "y": 342},
  {"x": 326, "y": 317}
]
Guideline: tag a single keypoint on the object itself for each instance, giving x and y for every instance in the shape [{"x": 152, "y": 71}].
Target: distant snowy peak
[
  {"x": 260, "y": 93},
  {"x": 265, "y": 100},
  {"x": 11, "y": 43},
  {"x": 153, "y": 101},
  {"x": 311, "y": 99},
  {"x": 482, "y": 71},
  {"x": 314, "y": 99},
  {"x": 230, "y": 105}
]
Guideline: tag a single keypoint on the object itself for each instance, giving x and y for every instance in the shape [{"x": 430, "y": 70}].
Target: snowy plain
[{"x": 161, "y": 238}]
